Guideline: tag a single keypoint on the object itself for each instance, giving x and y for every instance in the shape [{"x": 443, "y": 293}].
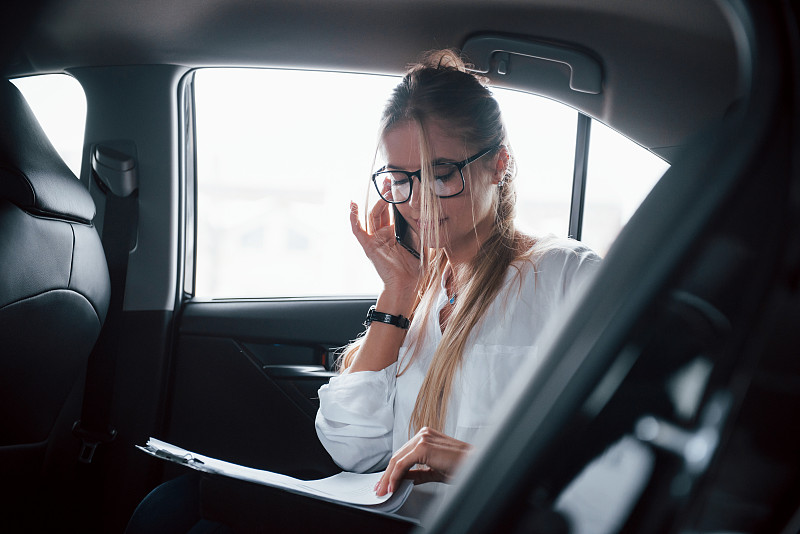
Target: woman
[
  {"x": 477, "y": 298},
  {"x": 416, "y": 393}
]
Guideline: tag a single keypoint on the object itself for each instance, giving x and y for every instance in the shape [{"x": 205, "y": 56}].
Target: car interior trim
[{"x": 586, "y": 73}]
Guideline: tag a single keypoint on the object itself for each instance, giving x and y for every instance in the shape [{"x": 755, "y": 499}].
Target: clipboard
[{"x": 349, "y": 489}]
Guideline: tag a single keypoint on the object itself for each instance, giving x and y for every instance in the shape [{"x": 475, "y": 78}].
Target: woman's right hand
[
  {"x": 398, "y": 268},
  {"x": 400, "y": 272},
  {"x": 430, "y": 456}
]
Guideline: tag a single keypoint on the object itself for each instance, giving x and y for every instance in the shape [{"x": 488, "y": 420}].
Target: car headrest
[{"x": 32, "y": 174}]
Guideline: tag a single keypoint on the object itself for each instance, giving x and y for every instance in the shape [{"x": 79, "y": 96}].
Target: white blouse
[{"x": 364, "y": 416}]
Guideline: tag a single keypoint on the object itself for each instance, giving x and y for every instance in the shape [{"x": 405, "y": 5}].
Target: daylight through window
[{"x": 280, "y": 155}]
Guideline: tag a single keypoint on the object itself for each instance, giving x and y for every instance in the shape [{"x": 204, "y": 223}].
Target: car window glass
[
  {"x": 281, "y": 153},
  {"x": 59, "y": 104},
  {"x": 619, "y": 175},
  {"x": 542, "y": 135}
]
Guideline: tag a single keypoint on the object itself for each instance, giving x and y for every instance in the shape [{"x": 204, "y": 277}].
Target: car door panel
[{"x": 245, "y": 376}]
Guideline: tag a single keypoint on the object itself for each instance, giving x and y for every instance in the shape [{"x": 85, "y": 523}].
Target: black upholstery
[{"x": 54, "y": 290}]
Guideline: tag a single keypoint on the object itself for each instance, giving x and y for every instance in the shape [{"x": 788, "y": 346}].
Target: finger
[
  {"x": 387, "y": 194},
  {"x": 355, "y": 225},
  {"x": 382, "y": 207},
  {"x": 379, "y": 216},
  {"x": 382, "y": 487},
  {"x": 395, "y": 473},
  {"x": 386, "y": 188},
  {"x": 354, "y": 222},
  {"x": 385, "y": 217},
  {"x": 402, "y": 466}
]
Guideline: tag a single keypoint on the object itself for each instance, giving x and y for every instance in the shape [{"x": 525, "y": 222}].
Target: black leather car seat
[{"x": 54, "y": 294}]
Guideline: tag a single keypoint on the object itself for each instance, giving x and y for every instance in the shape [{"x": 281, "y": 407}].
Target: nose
[{"x": 416, "y": 191}]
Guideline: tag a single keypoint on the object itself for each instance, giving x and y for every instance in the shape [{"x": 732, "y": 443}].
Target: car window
[
  {"x": 280, "y": 154},
  {"x": 619, "y": 175},
  {"x": 542, "y": 136},
  {"x": 59, "y": 104}
]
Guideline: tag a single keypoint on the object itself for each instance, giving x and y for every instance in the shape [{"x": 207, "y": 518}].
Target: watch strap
[{"x": 374, "y": 316}]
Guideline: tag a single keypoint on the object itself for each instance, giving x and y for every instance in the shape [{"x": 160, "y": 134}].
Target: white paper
[{"x": 348, "y": 488}]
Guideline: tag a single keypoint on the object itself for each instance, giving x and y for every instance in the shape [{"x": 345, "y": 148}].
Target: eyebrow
[{"x": 437, "y": 161}]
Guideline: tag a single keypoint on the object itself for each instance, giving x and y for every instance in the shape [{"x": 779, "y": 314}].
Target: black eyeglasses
[{"x": 448, "y": 179}]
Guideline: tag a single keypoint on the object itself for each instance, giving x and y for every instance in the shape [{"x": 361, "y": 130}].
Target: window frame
[
  {"x": 579, "y": 176},
  {"x": 189, "y": 194}
]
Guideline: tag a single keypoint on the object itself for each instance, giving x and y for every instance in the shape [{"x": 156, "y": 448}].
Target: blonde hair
[{"x": 439, "y": 89}]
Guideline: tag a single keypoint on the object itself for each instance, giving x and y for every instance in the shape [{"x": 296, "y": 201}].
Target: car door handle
[{"x": 298, "y": 372}]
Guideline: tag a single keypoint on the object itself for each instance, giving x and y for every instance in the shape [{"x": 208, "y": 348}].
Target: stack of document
[{"x": 355, "y": 489}]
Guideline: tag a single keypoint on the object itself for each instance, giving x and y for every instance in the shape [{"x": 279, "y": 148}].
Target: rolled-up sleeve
[{"x": 355, "y": 419}]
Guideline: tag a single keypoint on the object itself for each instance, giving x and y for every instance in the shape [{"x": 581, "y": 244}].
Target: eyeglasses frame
[{"x": 418, "y": 175}]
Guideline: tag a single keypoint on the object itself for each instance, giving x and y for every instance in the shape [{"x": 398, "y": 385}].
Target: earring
[{"x": 502, "y": 181}]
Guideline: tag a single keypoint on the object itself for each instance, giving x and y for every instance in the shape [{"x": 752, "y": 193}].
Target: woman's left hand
[{"x": 437, "y": 454}]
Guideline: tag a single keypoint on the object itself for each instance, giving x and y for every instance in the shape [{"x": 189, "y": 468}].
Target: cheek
[
  {"x": 480, "y": 201},
  {"x": 481, "y": 187},
  {"x": 459, "y": 211},
  {"x": 488, "y": 201}
]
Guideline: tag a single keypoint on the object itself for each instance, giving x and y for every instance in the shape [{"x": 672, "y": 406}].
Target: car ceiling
[{"x": 669, "y": 66}]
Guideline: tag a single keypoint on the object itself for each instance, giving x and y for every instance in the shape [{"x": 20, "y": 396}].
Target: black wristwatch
[{"x": 379, "y": 317}]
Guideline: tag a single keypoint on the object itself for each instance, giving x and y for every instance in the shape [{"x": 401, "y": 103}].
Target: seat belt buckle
[{"x": 90, "y": 440}]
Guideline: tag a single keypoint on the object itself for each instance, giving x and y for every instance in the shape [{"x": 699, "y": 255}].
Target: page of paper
[{"x": 357, "y": 488}]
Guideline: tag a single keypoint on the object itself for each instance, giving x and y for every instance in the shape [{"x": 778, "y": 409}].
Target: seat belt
[{"x": 115, "y": 172}]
